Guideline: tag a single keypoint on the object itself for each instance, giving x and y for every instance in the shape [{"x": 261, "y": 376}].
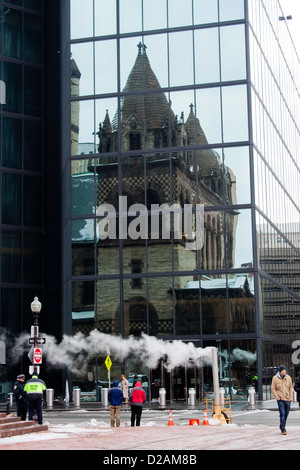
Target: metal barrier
[
  {"x": 162, "y": 397},
  {"x": 105, "y": 396},
  {"x": 192, "y": 397},
  {"x": 76, "y": 397},
  {"x": 251, "y": 392},
  {"x": 49, "y": 397}
]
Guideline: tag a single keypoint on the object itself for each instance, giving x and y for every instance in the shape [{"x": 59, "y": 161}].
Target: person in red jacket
[{"x": 137, "y": 398}]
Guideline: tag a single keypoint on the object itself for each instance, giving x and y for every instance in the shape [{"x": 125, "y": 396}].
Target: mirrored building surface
[{"x": 177, "y": 167}]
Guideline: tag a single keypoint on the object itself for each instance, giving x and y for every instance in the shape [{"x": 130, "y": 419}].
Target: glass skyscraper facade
[{"x": 172, "y": 105}]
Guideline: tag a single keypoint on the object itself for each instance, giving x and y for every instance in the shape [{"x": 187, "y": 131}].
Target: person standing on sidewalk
[
  {"x": 35, "y": 389},
  {"x": 282, "y": 389},
  {"x": 137, "y": 399},
  {"x": 124, "y": 387},
  {"x": 297, "y": 387},
  {"x": 20, "y": 397},
  {"x": 115, "y": 398}
]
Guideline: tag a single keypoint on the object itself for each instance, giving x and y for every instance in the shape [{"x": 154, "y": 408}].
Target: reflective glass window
[
  {"x": 237, "y": 175},
  {"x": 208, "y": 111},
  {"x": 207, "y": 62},
  {"x": 235, "y": 113},
  {"x": 106, "y": 59},
  {"x": 160, "y": 305},
  {"x": 241, "y": 303},
  {"x": 81, "y": 19},
  {"x": 231, "y": 10},
  {"x": 205, "y": 11},
  {"x": 238, "y": 238},
  {"x": 154, "y": 14},
  {"x": 108, "y": 313},
  {"x": 181, "y": 58},
  {"x": 105, "y": 17},
  {"x": 233, "y": 54},
  {"x": 83, "y": 306},
  {"x": 83, "y": 251},
  {"x": 179, "y": 13},
  {"x": 214, "y": 304},
  {"x": 83, "y": 187},
  {"x": 82, "y": 70},
  {"x": 213, "y": 251},
  {"x": 187, "y": 305},
  {"x": 130, "y": 16}
]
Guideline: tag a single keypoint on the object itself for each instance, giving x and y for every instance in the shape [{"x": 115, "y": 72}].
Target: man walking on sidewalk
[{"x": 282, "y": 389}]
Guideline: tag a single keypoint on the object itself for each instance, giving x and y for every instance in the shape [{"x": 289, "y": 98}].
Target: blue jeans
[{"x": 284, "y": 409}]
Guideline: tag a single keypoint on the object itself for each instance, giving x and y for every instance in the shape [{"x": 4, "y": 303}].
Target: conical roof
[{"x": 153, "y": 107}]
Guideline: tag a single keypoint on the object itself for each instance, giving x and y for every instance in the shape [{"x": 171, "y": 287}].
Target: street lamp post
[{"x": 35, "y": 340}]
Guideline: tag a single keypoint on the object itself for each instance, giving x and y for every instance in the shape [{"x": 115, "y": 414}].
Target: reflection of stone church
[{"x": 187, "y": 176}]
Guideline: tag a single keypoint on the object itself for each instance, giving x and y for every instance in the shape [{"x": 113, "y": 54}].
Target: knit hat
[{"x": 281, "y": 368}]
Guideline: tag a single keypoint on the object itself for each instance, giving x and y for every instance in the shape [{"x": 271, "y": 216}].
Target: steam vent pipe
[{"x": 215, "y": 372}]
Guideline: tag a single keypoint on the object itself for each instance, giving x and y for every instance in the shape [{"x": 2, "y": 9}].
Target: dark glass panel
[
  {"x": 33, "y": 91},
  {"x": 11, "y": 142},
  {"x": 214, "y": 304},
  {"x": 212, "y": 255},
  {"x": 10, "y": 316},
  {"x": 33, "y": 145},
  {"x": 161, "y": 306},
  {"x": 12, "y": 32},
  {"x": 34, "y": 4},
  {"x": 187, "y": 305},
  {"x": 241, "y": 303},
  {"x": 32, "y": 258},
  {"x": 12, "y": 77},
  {"x": 84, "y": 187},
  {"x": 108, "y": 315},
  {"x": 11, "y": 256},
  {"x": 33, "y": 201},
  {"x": 243, "y": 361},
  {"x": 11, "y": 199},
  {"x": 33, "y": 38},
  {"x": 83, "y": 247}
]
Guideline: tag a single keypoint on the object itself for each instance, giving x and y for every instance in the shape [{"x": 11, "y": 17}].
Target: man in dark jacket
[
  {"x": 297, "y": 387},
  {"x": 137, "y": 399},
  {"x": 20, "y": 397},
  {"x": 115, "y": 398}
]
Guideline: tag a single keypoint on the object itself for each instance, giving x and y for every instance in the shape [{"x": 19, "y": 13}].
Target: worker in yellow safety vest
[{"x": 35, "y": 388}]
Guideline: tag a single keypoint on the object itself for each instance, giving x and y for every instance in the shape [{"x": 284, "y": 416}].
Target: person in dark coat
[
  {"x": 20, "y": 397},
  {"x": 297, "y": 387},
  {"x": 115, "y": 398}
]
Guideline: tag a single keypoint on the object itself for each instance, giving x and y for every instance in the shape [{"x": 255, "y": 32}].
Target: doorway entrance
[{"x": 176, "y": 382}]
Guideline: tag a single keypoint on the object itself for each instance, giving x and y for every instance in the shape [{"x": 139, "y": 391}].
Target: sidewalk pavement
[{"x": 181, "y": 439}]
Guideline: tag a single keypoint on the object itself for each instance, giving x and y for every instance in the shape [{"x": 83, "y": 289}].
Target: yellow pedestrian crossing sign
[{"x": 108, "y": 363}]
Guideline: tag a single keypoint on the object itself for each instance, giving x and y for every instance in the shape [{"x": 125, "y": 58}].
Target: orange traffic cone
[
  {"x": 205, "y": 419},
  {"x": 171, "y": 422}
]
